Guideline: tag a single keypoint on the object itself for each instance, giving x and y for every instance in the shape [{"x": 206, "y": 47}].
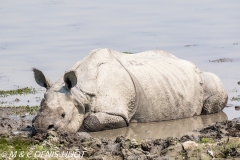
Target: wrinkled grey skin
[{"x": 109, "y": 89}]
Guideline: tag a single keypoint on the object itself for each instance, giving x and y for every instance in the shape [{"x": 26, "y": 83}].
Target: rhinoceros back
[
  {"x": 143, "y": 87},
  {"x": 168, "y": 87}
]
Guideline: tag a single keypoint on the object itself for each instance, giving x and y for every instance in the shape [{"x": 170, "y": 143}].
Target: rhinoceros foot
[{"x": 102, "y": 121}]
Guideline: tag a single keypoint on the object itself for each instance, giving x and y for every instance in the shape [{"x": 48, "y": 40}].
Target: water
[
  {"x": 52, "y": 35},
  {"x": 155, "y": 130}
]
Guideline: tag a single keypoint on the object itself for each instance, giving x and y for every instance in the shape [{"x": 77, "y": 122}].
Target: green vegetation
[
  {"x": 15, "y": 147},
  {"x": 29, "y": 109},
  {"x": 19, "y": 148},
  {"x": 228, "y": 147},
  {"x": 18, "y": 110},
  {"x": 206, "y": 140},
  {"x": 236, "y": 98},
  {"x": 20, "y": 91}
]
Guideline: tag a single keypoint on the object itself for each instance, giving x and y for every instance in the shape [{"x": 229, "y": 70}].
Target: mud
[
  {"x": 16, "y": 121},
  {"x": 218, "y": 140}
]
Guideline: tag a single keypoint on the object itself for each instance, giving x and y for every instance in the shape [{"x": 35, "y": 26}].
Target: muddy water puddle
[{"x": 155, "y": 130}]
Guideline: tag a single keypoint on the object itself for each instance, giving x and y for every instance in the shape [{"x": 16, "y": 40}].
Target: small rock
[
  {"x": 21, "y": 134},
  {"x": 217, "y": 154},
  {"x": 83, "y": 135},
  {"x": 189, "y": 145},
  {"x": 237, "y": 108},
  {"x": 4, "y": 131},
  {"x": 156, "y": 149},
  {"x": 134, "y": 143},
  {"x": 133, "y": 154},
  {"x": 88, "y": 151},
  {"x": 205, "y": 156},
  {"x": 186, "y": 138},
  {"x": 146, "y": 145},
  {"x": 17, "y": 100},
  {"x": 52, "y": 133},
  {"x": 113, "y": 148},
  {"x": 237, "y": 126},
  {"x": 178, "y": 147},
  {"x": 54, "y": 140},
  {"x": 174, "y": 151},
  {"x": 236, "y": 119}
]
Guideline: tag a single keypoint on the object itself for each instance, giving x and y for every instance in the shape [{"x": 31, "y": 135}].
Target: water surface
[{"x": 52, "y": 35}]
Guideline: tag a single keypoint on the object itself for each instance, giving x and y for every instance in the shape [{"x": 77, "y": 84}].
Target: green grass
[
  {"x": 14, "y": 148},
  {"x": 236, "y": 98},
  {"x": 206, "y": 140},
  {"x": 20, "y": 91},
  {"x": 30, "y": 110},
  {"x": 18, "y": 110},
  {"x": 20, "y": 148}
]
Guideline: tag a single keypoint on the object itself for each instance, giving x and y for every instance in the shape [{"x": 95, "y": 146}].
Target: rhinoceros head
[{"x": 58, "y": 109}]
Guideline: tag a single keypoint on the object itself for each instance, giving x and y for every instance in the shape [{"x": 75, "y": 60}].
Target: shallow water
[
  {"x": 52, "y": 35},
  {"x": 155, "y": 130}
]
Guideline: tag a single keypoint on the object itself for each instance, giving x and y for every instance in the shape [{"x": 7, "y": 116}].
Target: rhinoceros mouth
[
  {"x": 37, "y": 130},
  {"x": 41, "y": 129}
]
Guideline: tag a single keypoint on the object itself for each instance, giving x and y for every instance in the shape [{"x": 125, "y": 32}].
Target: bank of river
[{"x": 218, "y": 140}]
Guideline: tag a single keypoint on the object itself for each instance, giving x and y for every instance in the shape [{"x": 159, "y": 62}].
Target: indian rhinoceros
[{"x": 110, "y": 89}]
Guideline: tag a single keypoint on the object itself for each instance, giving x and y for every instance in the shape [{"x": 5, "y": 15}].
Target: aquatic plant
[
  {"x": 22, "y": 109},
  {"x": 29, "y": 109},
  {"x": 20, "y": 91},
  {"x": 236, "y": 98}
]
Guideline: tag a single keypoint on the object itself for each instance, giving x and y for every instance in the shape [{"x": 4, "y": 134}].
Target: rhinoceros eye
[{"x": 63, "y": 115}]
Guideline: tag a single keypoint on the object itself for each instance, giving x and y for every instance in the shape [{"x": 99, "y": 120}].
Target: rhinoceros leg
[
  {"x": 103, "y": 121},
  {"x": 215, "y": 96}
]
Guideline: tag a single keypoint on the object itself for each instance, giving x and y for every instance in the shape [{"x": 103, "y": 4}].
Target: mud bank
[{"x": 219, "y": 140}]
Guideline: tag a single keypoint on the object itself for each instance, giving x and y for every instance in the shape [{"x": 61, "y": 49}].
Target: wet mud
[
  {"x": 16, "y": 121},
  {"x": 217, "y": 140}
]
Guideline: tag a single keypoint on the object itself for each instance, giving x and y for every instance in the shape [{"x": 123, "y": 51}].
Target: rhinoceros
[{"x": 109, "y": 89}]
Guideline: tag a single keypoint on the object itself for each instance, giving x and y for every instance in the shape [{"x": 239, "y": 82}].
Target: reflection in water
[{"x": 173, "y": 128}]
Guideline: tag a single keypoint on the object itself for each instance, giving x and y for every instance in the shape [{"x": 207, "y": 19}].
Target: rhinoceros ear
[
  {"x": 41, "y": 79},
  {"x": 70, "y": 79}
]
